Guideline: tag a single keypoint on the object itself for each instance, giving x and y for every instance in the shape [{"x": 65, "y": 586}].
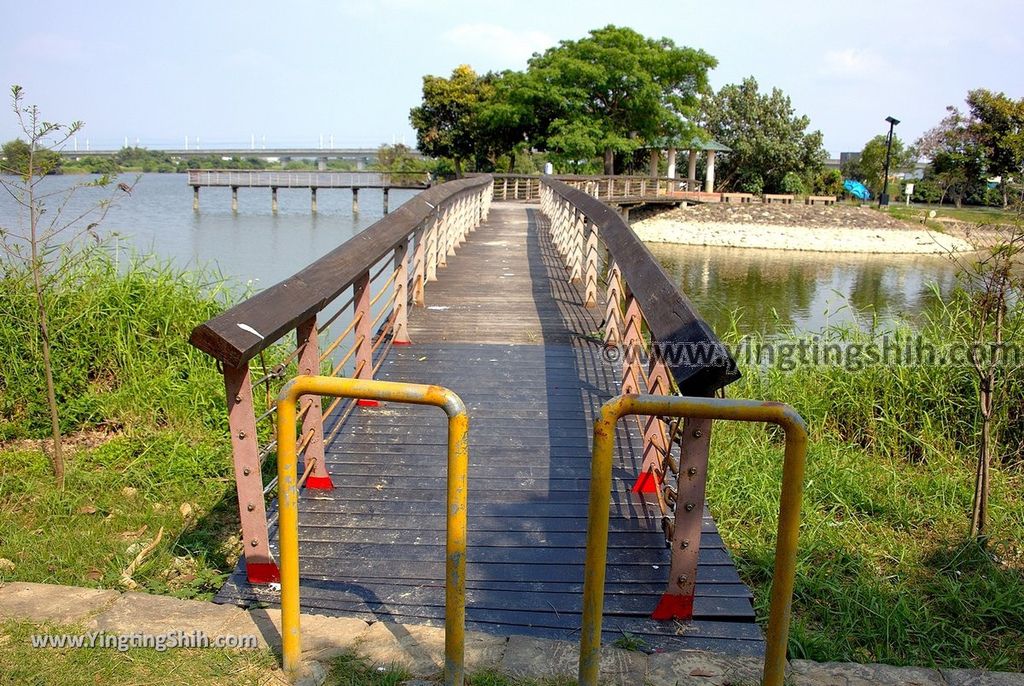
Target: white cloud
[
  {"x": 511, "y": 48},
  {"x": 852, "y": 63}
]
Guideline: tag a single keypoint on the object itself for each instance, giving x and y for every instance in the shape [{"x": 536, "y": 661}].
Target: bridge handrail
[
  {"x": 676, "y": 328},
  {"x": 275, "y": 311},
  {"x": 616, "y": 187},
  {"x": 381, "y": 272},
  {"x": 306, "y": 179},
  {"x": 666, "y": 350}
]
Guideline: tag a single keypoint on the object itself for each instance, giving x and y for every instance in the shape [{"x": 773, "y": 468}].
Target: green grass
[
  {"x": 350, "y": 670},
  {"x": 23, "y": 665},
  {"x": 145, "y": 414},
  {"x": 628, "y": 641},
  {"x": 885, "y": 571},
  {"x": 971, "y": 215}
]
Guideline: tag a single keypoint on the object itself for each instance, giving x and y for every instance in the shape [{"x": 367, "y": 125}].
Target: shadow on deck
[{"x": 505, "y": 330}]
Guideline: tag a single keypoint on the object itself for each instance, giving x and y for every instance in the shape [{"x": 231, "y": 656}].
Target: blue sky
[{"x": 291, "y": 72}]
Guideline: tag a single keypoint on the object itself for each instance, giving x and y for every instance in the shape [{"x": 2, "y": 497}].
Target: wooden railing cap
[
  {"x": 241, "y": 332},
  {"x": 677, "y": 329}
]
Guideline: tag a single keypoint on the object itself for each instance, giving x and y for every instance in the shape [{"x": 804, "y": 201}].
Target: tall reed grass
[
  {"x": 887, "y": 572},
  {"x": 144, "y": 412}
]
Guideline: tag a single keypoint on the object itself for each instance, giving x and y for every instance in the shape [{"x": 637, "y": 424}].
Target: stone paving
[{"x": 420, "y": 649}]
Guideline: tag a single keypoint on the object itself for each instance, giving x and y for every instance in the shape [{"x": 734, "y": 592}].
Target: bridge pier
[
  {"x": 386, "y": 199},
  {"x": 234, "y": 198},
  {"x": 273, "y": 198},
  {"x": 195, "y": 198},
  {"x": 321, "y": 164},
  {"x": 355, "y": 199},
  {"x": 312, "y": 199}
]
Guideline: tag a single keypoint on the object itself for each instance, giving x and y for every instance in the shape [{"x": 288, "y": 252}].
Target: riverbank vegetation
[
  {"x": 887, "y": 569},
  {"x": 396, "y": 157},
  {"x": 887, "y": 572},
  {"x": 143, "y": 415}
]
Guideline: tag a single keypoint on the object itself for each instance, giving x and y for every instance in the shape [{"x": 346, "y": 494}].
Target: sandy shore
[{"x": 662, "y": 229}]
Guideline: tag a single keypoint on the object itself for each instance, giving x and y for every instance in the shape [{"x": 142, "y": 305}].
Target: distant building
[{"x": 839, "y": 162}]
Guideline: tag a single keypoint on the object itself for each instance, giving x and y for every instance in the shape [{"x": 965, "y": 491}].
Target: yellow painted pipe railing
[
  {"x": 600, "y": 503},
  {"x": 288, "y": 499}
]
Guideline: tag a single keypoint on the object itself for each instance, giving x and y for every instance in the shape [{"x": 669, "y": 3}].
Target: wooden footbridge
[{"x": 534, "y": 314}]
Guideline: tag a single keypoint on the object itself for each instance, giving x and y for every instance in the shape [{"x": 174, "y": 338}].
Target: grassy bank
[
  {"x": 144, "y": 414},
  {"x": 977, "y": 215},
  {"x": 886, "y": 573},
  {"x": 24, "y": 664}
]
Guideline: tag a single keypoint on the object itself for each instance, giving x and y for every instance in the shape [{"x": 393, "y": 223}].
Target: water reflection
[{"x": 776, "y": 290}]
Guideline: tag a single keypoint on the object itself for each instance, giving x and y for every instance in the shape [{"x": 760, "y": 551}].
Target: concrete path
[{"x": 420, "y": 649}]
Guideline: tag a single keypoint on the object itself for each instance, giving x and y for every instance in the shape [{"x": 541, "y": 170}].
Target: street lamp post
[{"x": 883, "y": 197}]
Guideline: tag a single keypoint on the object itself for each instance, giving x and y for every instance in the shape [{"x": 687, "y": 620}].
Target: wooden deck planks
[{"x": 504, "y": 330}]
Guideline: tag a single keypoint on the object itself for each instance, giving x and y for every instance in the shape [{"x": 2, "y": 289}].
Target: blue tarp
[{"x": 857, "y": 189}]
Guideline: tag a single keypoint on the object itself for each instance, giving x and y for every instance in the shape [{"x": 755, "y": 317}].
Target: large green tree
[
  {"x": 615, "y": 90},
  {"x": 998, "y": 126},
  {"x": 956, "y": 157},
  {"x": 768, "y": 139},
  {"x": 446, "y": 122},
  {"x": 16, "y": 156}
]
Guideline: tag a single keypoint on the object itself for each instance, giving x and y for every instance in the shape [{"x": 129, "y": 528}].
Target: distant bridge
[{"x": 322, "y": 154}]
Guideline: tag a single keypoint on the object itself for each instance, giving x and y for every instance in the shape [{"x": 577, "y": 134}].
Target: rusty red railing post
[
  {"x": 419, "y": 265},
  {"x": 488, "y": 199},
  {"x": 363, "y": 332},
  {"x": 313, "y": 421},
  {"x": 260, "y": 567},
  {"x": 632, "y": 341},
  {"x": 430, "y": 252},
  {"x": 443, "y": 236},
  {"x": 695, "y": 442},
  {"x": 400, "y": 335},
  {"x": 590, "y": 279},
  {"x": 655, "y": 444},
  {"x": 613, "y": 309},
  {"x": 576, "y": 247}
]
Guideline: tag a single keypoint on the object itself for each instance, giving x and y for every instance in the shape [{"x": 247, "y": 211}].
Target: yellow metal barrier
[
  {"x": 600, "y": 502},
  {"x": 288, "y": 499}
]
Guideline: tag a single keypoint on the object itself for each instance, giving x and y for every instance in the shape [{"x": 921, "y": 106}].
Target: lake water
[
  {"x": 253, "y": 245},
  {"x": 769, "y": 290},
  {"x": 782, "y": 290}
]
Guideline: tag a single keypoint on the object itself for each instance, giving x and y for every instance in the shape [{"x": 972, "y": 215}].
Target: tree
[
  {"x": 991, "y": 295},
  {"x": 446, "y": 122},
  {"x": 16, "y": 155},
  {"x": 869, "y": 168},
  {"x": 36, "y": 250},
  {"x": 614, "y": 90},
  {"x": 957, "y": 159},
  {"x": 767, "y": 138},
  {"x": 998, "y": 126}
]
